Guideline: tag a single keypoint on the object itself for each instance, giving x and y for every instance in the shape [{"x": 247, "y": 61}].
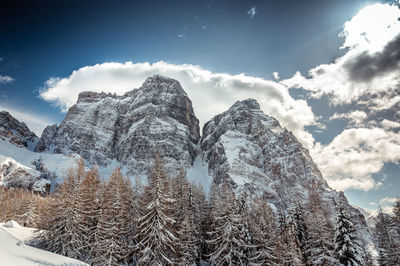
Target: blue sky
[{"x": 345, "y": 112}]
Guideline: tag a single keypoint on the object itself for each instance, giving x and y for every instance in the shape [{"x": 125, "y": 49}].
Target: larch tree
[
  {"x": 288, "y": 251},
  {"x": 320, "y": 231},
  {"x": 263, "y": 230},
  {"x": 58, "y": 232},
  {"x": 86, "y": 214},
  {"x": 156, "y": 236},
  {"x": 29, "y": 214},
  {"x": 228, "y": 240},
  {"x": 109, "y": 247}
]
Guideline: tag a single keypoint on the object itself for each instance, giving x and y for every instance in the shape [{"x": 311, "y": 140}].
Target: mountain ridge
[{"x": 241, "y": 146}]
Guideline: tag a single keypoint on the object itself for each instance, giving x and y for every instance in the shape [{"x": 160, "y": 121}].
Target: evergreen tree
[
  {"x": 297, "y": 218},
  {"x": 346, "y": 243},
  {"x": 288, "y": 251},
  {"x": 385, "y": 239},
  {"x": 155, "y": 227},
  {"x": 228, "y": 240}
]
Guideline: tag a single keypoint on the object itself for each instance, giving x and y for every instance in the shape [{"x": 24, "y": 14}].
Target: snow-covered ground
[
  {"x": 54, "y": 163},
  {"x": 14, "y": 251}
]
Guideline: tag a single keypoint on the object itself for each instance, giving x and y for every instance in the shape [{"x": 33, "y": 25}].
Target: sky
[{"x": 327, "y": 70}]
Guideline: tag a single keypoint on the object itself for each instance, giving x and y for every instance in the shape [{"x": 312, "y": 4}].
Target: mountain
[
  {"x": 16, "y": 132},
  {"x": 129, "y": 129},
  {"x": 241, "y": 146},
  {"x": 252, "y": 152}
]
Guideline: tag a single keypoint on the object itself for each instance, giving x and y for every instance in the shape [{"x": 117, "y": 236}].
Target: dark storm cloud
[{"x": 366, "y": 67}]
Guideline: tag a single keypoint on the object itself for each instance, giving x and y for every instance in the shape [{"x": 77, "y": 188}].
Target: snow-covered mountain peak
[
  {"x": 246, "y": 104},
  {"x": 16, "y": 132},
  {"x": 104, "y": 128}
]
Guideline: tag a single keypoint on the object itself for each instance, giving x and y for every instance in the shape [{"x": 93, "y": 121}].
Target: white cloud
[
  {"x": 180, "y": 36},
  {"x": 354, "y": 155},
  {"x": 6, "y": 79},
  {"x": 356, "y": 118},
  {"x": 35, "y": 122},
  {"x": 368, "y": 66},
  {"x": 211, "y": 93},
  {"x": 388, "y": 124},
  {"x": 276, "y": 75},
  {"x": 367, "y": 76},
  {"x": 252, "y": 12},
  {"x": 387, "y": 200}
]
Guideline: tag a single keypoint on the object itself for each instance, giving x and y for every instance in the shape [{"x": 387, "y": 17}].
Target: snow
[
  {"x": 15, "y": 251},
  {"x": 198, "y": 174},
  {"x": 54, "y": 163}
]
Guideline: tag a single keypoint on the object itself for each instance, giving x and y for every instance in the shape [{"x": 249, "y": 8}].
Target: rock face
[
  {"x": 16, "y": 132},
  {"x": 130, "y": 129},
  {"x": 253, "y": 153},
  {"x": 16, "y": 175}
]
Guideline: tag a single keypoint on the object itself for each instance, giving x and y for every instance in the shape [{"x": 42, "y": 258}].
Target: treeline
[{"x": 170, "y": 221}]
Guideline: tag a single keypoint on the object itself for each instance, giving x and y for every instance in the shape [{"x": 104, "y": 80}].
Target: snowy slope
[
  {"x": 14, "y": 251},
  {"x": 21, "y": 167}
]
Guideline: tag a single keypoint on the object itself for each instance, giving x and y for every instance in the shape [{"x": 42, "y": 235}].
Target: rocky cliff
[
  {"x": 16, "y": 132},
  {"x": 251, "y": 151},
  {"x": 242, "y": 146},
  {"x": 129, "y": 129}
]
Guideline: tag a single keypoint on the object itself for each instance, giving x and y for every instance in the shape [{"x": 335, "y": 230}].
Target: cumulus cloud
[
  {"x": 356, "y": 118},
  {"x": 35, "y": 122},
  {"x": 252, "y": 12},
  {"x": 276, "y": 75},
  {"x": 387, "y": 200},
  {"x": 6, "y": 79},
  {"x": 388, "y": 124},
  {"x": 371, "y": 63},
  {"x": 211, "y": 93},
  {"x": 366, "y": 77},
  {"x": 355, "y": 154}
]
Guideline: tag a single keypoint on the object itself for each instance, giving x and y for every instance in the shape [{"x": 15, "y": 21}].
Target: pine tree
[
  {"x": 227, "y": 236},
  {"x": 385, "y": 239},
  {"x": 346, "y": 243},
  {"x": 155, "y": 227}
]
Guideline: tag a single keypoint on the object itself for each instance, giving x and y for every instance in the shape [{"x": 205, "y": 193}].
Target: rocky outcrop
[
  {"x": 258, "y": 157},
  {"x": 129, "y": 129},
  {"x": 16, "y": 132},
  {"x": 16, "y": 175}
]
